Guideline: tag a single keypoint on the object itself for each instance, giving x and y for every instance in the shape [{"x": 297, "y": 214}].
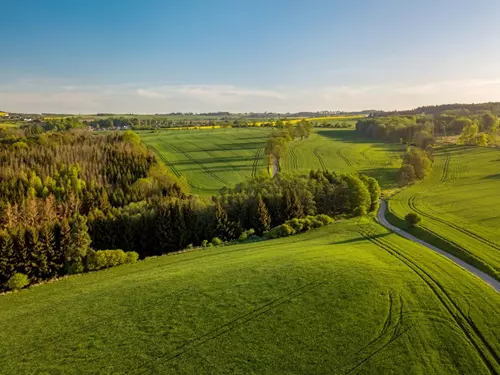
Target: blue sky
[{"x": 152, "y": 56}]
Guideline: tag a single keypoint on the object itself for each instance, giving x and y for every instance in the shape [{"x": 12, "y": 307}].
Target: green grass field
[
  {"x": 6, "y": 125},
  {"x": 210, "y": 158},
  {"x": 342, "y": 151},
  {"x": 459, "y": 203},
  {"x": 350, "y": 298},
  {"x": 213, "y": 158}
]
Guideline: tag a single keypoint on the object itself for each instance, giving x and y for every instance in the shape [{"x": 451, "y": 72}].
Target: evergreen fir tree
[
  {"x": 178, "y": 227},
  {"x": 223, "y": 228},
  {"x": 38, "y": 258},
  {"x": 163, "y": 227},
  {"x": 292, "y": 205},
  {"x": 47, "y": 240},
  {"x": 63, "y": 241},
  {"x": 80, "y": 240},
  {"x": 21, "y": 254},
  {"x": 7, "y": 260},
  {"x": 261, "y": 219}
]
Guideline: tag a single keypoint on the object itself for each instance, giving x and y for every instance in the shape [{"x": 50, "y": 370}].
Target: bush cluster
[
  {"x": 100, "y": 259},
  {"x": 413, "y": 219},
  {"x": 296, "y": 226}
]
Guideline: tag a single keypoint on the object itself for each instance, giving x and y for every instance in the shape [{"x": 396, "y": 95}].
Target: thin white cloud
[
  {"x": 68, "y": 97},
  {"x": 151, "y": 94},
  {"x": 205, "y": 92}
]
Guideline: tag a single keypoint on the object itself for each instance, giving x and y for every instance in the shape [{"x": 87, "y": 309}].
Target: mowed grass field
[
  {"x": 460, "y": 203},
  {"x": 213, "y": 158},
  {"x": 350, "y": 298}
]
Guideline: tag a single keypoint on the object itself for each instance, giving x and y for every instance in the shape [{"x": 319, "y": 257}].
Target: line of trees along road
[
  {"x": 277, "y": 143},
  {"x": 66, "y": 195}
]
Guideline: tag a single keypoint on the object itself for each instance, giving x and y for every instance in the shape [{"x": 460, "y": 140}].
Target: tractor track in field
[
  {"x": 295, "y": 158},
  {"x": 343, "y": 157},
  {"x": 237, "y": 170},
  {"x": 474, "y": 336},
  {"x": 165, "y": 160},
  {"x": 446, "y": 168},
  {"x": 232, "y": 324},
  {"x": 391, "y": 331},
  {"x": 412, "y": 205},
  {"x": 363, "y": 154},
  {"x": 172, "y": 167},
  {"x": 257, "y": 158},
  {"x": 204, "y": 167},
  {"x": 320, "y": 159}
]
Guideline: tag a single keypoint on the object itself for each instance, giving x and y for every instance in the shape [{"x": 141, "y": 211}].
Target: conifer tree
[
  {"x": 79, "y": 244},
  {"x": 261, "y": 219},
  {"x": 38, "y": 259},
  {"x": 163, "y": 227},
  {"x": 63, "y": 241},
  {"x": 21, "y": 254},
  {"x": 47, "y": 240},
  {"x": 292, "y": 205},
  {"x": 178, "y": 239},
  {"x": 7, "y": 261},
  {"x": 222, "y": 226}
]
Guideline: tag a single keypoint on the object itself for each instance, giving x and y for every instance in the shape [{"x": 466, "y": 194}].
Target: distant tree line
[
  {"x": 477, "y": 129},
  {"x": 404, "y": 129},
  {"x": 457, "y": 109}
]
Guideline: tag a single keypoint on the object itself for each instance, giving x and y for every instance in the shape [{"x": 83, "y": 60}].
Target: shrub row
[
  {"x": 296, "y": 226},
  {"x": 97, "y": 260}
]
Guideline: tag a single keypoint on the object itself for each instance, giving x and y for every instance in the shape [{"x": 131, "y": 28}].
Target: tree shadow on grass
[
  {"x": 350, "y": 136},
  {"x": 386, "y": 177},
  {"x": 492, "y": 177}
]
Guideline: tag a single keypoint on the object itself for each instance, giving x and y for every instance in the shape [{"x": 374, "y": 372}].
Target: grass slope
[
  {"x": 213, "y": 158},
  {"x": 351, "y": 298},
  {"x": 459, "y": 204}
]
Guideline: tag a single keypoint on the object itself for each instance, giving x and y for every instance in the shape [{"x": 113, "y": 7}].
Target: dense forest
[{"x": 72, "y": 201}]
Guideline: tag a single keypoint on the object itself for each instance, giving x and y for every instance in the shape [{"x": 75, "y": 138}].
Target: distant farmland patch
[{"x": 213, "y": 158}]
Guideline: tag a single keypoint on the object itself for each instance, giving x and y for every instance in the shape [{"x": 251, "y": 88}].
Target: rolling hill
[{"x": 350, "y": 298}]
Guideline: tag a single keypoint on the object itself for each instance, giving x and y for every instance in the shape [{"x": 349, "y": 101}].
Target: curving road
[{"x": 485, "y": 277}]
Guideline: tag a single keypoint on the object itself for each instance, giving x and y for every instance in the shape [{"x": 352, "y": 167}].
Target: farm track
[
  {"x": 486, "y": 352},
  {"x": 339, "y": 153},
  {"x": 257, "y": 158},
  {"x": 202, "y": 166},
  {"x": 320, "y": 159},
  {"x": 234, "y": 323}
]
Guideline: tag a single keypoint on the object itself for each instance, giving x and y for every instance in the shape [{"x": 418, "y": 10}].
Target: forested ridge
[{"x": 71, "y": 202}]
